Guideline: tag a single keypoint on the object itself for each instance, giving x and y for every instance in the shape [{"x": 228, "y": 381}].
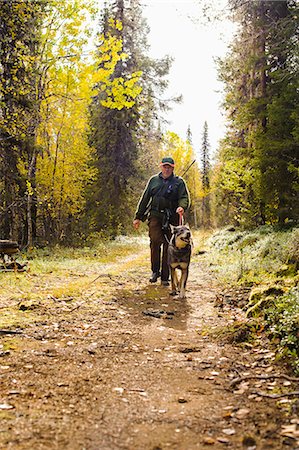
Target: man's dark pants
[{"x": 158, "y": 240}]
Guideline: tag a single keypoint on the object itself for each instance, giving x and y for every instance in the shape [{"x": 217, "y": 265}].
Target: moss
[
  {"x": 239, "y": 332},
  {"x": 268, "y": 260},
  {"x": 257, "y": 308}
]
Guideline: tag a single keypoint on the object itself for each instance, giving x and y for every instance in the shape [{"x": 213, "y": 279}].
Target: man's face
[{"x": 166, "y": 170}]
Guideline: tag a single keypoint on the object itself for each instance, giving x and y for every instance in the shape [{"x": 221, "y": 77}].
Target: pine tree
[
  {"x": 189, "y": 135},
  {"x": 20, "y": 27},
  {"x": 205, "y": 173},
  {"x": 192, "y": 178},
  {"x": 114, "y": 138},
  {"x": 256, "y": 179},
  {"x": 206, "y": 166},
  {"x": 119, "y": 133}
]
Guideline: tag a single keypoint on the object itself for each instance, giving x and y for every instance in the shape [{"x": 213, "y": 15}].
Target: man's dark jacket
[{"x": 163, "y": 194}]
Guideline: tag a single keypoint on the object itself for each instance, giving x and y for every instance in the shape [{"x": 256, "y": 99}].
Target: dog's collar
[{"x": 181, "y": 250}]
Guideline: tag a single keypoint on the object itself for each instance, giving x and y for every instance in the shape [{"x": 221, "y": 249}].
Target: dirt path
[{"x": 128, "y": 367}]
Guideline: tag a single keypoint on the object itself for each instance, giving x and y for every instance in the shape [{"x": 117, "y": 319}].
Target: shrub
[{"x": 283, "y": 325}]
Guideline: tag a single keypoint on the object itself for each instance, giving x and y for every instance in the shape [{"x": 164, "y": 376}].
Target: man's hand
[
  {"x": 180, "y": 210},
  {"x": 136, "y": 223}
]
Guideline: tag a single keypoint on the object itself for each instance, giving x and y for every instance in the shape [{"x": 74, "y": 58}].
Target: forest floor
[{"x": 125, "y": 366}]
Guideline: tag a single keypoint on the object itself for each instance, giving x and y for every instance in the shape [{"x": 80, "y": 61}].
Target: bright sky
[{"x": 178, "y": 29}]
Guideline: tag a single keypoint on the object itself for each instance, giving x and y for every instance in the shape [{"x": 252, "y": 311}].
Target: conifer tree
[
  {"x": 189, "y": 135},
  {"x": 119, "y": 133},
  {"x": 205, "y": 173},
  {"x": 20, "y": 28},
  {"x": 257, "y": 175},
  {"x": 193, "y": 179}
]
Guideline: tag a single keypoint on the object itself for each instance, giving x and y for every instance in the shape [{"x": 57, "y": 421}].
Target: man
[{"x": 165, "y": 198}]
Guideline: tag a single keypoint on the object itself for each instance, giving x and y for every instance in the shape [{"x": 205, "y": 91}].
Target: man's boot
[{"x": 154, "y": 277}]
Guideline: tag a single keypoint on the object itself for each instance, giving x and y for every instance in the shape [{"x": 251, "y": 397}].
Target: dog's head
[{"x": 181, "y": 235}]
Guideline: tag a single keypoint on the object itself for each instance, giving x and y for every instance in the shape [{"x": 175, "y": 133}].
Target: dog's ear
[
  {"x": 172, "y": 228},
  {"x": 187, "y": 225}
]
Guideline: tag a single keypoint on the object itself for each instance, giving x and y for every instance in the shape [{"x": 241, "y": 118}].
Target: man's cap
[{"x": 168, "y": 160}]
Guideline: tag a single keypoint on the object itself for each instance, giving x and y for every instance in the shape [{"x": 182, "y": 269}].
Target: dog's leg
[
  {"x": 183, "y": 282},
  {"x": 174, "y": 281},
  {"x": 180, "y": 281}
]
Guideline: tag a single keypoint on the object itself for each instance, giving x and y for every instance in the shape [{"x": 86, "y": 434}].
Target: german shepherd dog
[{"x": 179, "y": 254}]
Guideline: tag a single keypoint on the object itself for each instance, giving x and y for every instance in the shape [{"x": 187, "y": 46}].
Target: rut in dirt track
[{"x": 129, "y": 367}]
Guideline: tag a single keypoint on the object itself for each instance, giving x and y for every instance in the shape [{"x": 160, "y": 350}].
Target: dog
[{"x": 179, "y": 254}]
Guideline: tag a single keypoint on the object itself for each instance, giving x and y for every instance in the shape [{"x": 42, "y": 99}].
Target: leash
[
  {"x": 166, "y": 238},
  {"x": 181, "y": 222},
  {"x": 181, "y": 219}
]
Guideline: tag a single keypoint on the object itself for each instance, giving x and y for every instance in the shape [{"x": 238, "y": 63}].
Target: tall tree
[
  {"x": 256, "y": 179},
  {"x": 65, "y": 88},
  {"x": 20, "y": 32},
  {"x": 205, "y": 174},
  {"x": 189, "y": 135},
  {"x": 119, "y": 128}
]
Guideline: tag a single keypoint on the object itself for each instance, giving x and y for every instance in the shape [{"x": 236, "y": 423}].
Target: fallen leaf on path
[
  {"x": 295, "y": 421},
  {"x": 4, "y": 406},
  {"x": 229, "y": 431},
  {"x": 223, "y": 440},
  {"x": 242, "y": 413},
  {"x": 290, "y": 431},
  {"x": 208, "y": 440},
  {"x": 242, "y": 388},
  {"x": 119, "y": 390}
]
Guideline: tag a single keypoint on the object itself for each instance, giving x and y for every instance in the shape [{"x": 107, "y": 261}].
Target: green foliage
[
  {"x": 122, "y": 121},
  {"x": 235, "y": 188},
  {"x": 283, "y": 326},
  {"x": 268, "y": 261},
  {"x": 51, "y": 93},
  {"x": 20, "y": 35},
  {"x": 256, "y": 180},
  {"x": 255, "y": 256}
]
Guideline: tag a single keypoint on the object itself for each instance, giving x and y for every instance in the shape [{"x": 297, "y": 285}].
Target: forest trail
[{"x": 129, "y": 367}]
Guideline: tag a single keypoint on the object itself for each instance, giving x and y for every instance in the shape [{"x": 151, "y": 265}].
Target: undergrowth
[
  {"x": 58, "y": 275},
  {"x": 267, "y": 260}
]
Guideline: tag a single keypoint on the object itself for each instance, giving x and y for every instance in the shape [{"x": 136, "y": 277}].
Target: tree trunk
[{"x": 30, "y": 192}]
